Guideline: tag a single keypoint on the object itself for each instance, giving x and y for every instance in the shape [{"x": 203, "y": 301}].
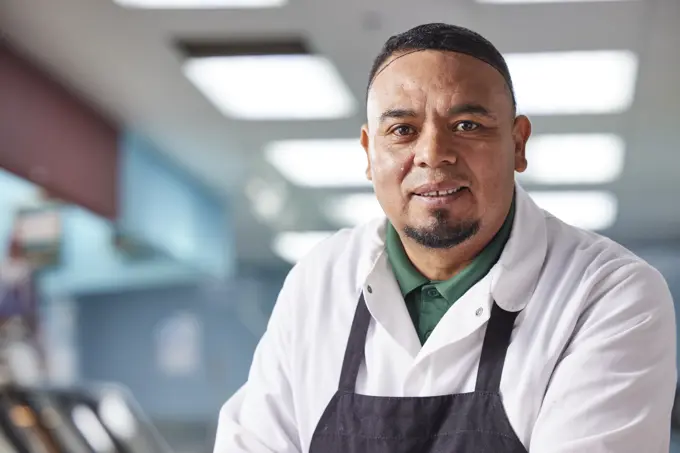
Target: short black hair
[{"x": 445, "y": 37}]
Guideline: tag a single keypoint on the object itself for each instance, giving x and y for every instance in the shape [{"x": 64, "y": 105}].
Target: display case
[{"x": 100, "y": 419}]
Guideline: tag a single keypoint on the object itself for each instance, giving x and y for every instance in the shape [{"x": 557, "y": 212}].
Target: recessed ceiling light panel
[
  {"x": 574, "y": 159},
  {"x": 354, "y": 209},
  {"x": 590, "y": 210},
  {"x": 294, "y": 245},
  {"x": 519, "y": 2},
  {"x": 272, "y": 87},
  {"x": 320, "y": 163},
  {"x": 200, "y": 4},
  {"x": 570, "y": 83}
]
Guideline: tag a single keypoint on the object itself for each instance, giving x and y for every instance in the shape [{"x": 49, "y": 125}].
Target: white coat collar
[{"x": 513, "y": 278}]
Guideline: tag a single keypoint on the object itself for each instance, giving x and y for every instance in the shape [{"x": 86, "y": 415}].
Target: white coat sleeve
[
  {"x": 613, "y": 389},
  {"x": 260, "y": 417}
]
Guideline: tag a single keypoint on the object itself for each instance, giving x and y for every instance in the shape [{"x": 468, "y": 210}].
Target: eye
[
  {"x": 466, "y": 126},
  {"x": 402, "y": 130}
]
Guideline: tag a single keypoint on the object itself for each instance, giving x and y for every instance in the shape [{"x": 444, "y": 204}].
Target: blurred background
[{"x": 163, "y": 163}]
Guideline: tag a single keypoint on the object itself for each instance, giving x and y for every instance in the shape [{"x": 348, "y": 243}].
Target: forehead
[{"x": 419, "y": 78}]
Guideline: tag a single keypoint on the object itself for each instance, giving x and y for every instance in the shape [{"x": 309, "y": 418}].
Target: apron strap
[
  {"x": 494, "y": 348},
  {"x": 356, "y": 344}
]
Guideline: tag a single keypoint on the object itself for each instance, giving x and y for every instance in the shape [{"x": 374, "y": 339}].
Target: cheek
[
  {"x": 388, "y": 168},
  {"x": 494, "y": 173},
  {"x": 388, "y": 171}
]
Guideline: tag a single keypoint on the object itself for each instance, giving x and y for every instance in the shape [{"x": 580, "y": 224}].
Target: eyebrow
[
  {"x": 474, "y": 109},
  {"x": 397, "y": 113}
]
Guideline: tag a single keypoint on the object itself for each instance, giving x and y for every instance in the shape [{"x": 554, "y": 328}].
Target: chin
[
  {"x": 442, "y": 235},
  {"x": 449, "y": 217}
]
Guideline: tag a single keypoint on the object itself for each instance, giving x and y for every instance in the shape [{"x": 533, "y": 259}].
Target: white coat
[{"x": 591, "y": 367}]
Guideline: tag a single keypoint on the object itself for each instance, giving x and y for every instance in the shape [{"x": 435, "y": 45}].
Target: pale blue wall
[
  {"x": 116, "y": 342},
  {"x": 161, "y": 205},
  {"x": 90, "y": 263}
]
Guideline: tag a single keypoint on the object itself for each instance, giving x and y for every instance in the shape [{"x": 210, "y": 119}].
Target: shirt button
[
  {"x": 432, "y": 292},
  {"x": 479, "y": 312},
  {"x": 369, "y": 289}
]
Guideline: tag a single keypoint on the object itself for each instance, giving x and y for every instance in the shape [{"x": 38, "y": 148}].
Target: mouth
[
  {"x": 441, "y": 193},
  {"x": 442, "y": 189}
]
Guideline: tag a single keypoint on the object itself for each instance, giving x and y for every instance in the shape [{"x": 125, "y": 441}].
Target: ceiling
[{"x": 124, "y": 62}]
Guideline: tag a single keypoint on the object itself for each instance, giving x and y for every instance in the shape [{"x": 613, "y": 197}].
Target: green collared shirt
[{"x": 427, "y": 301}]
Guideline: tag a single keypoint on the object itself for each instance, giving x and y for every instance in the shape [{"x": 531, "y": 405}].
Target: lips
[
  {"x": 441, "y": 193},
  {"x": 439, "y": 190}
]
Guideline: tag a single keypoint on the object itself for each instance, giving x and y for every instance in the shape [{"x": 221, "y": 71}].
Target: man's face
[{"x": 443, "y": 144}]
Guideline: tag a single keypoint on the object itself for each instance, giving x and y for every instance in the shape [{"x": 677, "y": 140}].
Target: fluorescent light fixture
[
  {"x": 352, "y": 210},
  {"x": 294, "y": 245},
  {"x": 574, "y": 159},
  {"x": 590, "y": 210},
  {"x": 267, "y": 199},
  {"x": 320, "y": 163},
  {"x": 568, "y": 83},
  {"x": 200, "y": 4},
  {"x": 517, "y": 2},
  {"x": 272, "y": 87}
]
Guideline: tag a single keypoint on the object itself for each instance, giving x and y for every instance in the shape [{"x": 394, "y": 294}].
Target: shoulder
[
  {"x": 602, "y": 266},
  {"x": 321, "y": 291},
  {"x": 348, "y": 251},
  {"x": 337, "y": 266}
]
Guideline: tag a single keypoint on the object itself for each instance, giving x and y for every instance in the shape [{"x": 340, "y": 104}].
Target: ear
[
  {"x": 365, "y": 144},
  {"x": 521, "y": 131}
]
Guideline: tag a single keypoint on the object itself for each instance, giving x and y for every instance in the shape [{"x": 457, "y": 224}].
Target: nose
[{"x": 434, "y": 148}]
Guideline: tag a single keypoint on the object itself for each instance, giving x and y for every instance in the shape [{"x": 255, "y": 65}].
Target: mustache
[{"x": 415, "y": 179}]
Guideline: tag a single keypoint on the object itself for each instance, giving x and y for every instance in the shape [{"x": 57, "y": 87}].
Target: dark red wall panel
[{"x": 49, "y": 136}]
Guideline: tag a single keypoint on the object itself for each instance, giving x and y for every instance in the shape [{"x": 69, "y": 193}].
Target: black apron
[{"x": 473, "y": 422}]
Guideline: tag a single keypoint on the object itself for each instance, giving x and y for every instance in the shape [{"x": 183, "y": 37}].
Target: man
[{"x": 469, "y": 320}]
